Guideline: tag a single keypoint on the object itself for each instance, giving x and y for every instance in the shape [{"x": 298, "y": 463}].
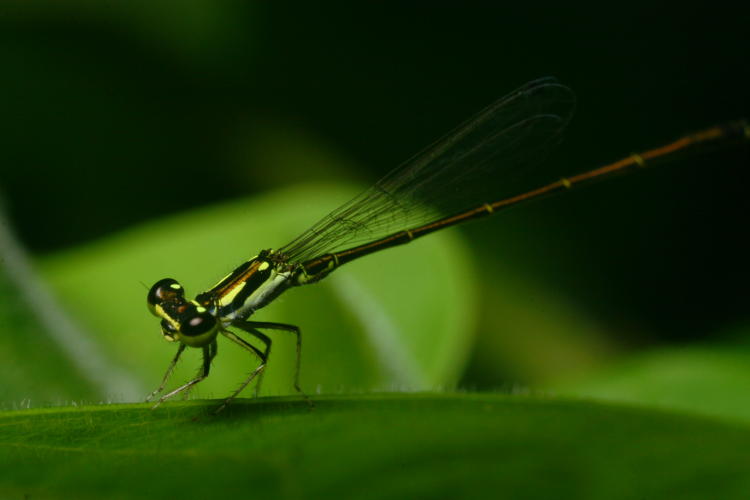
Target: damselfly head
[
  {"x": 169, "y": 331},
  {"x": 195, "y": 326},
  {"x": 183, "y": 320},
  {"x": 165, "y": 290}
]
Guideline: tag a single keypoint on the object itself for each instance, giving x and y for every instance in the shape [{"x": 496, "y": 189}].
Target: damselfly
[{"x": 453, "y": 181}]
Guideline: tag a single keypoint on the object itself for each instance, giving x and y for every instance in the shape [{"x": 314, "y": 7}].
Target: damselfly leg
[
  {"x": 249, "y": 347},
  {"x": 209, "y": 352},
  {"x": 170, "y": 370},
  {"x": 252, "y": 328}
]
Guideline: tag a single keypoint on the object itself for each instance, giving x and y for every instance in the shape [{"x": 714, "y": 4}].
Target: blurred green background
[{"x": 116, "y": 114}]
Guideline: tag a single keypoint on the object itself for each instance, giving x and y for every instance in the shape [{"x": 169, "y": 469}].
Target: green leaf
[
  {"x": 25, "y": 348},
  {"x": 37, "y": 366},
  {"x": 402, "y": 318},
  {"x": 708, "y": 380},
  {"x": 394, "y": 446}
]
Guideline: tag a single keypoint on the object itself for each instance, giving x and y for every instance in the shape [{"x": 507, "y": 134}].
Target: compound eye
[
  {"x": 165, "y": 290},
  {"x": 169, "y": 331},
  {"x": 201, "y": 323}
]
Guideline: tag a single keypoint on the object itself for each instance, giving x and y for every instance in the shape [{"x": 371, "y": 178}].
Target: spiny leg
[
  {"x": 252, "y": 326},
  {"x": 234, "y": 338},
  {"x": 266, "y": 353},
  {"x": 213, "y": 349},
  {"x": 168, "y": 374},
  {"x": 209, "y": 352}
]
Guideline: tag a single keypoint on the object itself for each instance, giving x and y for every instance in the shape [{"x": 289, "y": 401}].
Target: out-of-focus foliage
[
  {"x": 117, "y": 112},
  {"x": 709, "y": 380},
  {"x": 34, "y": 367}
]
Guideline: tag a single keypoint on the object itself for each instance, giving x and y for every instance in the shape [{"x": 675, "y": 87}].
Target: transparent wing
[{"x": 476, "y": 163}]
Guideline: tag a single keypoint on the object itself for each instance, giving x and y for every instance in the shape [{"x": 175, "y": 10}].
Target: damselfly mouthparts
[{"x": 452, "y": 181}]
